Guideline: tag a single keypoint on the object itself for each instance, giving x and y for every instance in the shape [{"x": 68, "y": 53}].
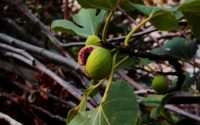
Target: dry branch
[
  {"x": 35, "y": 20},
  {"x": 8, "y": 119},
  {"x": 31, "y": 61},
  {"x": 41, "y": 51}
]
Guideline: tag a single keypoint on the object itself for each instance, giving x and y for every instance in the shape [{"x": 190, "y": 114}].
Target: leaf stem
[
  {"x": 105, "y": 29},
  {"x": 110, "y": 78},
  {"x": 126, "y": 41},
  {"x": 121, "y": 61}
]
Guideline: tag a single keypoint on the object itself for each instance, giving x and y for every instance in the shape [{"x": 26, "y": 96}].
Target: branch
[
  {"x": 41, "y": 51},
  {"x": 9, "y": 120},
  {"x": 31, "y": 61},
  {"x": 30, "y": 74},
  {"x": 182, "y": 112},
  {"x": 184, "y": 99},
  {"x": 29, "y": 90},
  {"x": 147, "y": 31},
  {"x": 73, "y": 44},
  {"x": 50, "y": 55},
  {"x": 131, "y": 81},
  {"x": 172, "y": 60},
  {"x": 40, "y": 24},
  {"x": 33, "y": 40},
  {"x": 35, "y": 20},
  {"x": 48, "y": 113}
]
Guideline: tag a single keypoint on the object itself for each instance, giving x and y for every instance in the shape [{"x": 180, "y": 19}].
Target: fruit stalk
[
  {"x": 126, "y": 42},
  {"x": 110, "y": 78},
  {"x": 106, "y": 26}
]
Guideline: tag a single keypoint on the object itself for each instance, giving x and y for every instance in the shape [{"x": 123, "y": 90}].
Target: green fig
[
  {"x": 160, "y": 84},
  {"x": 97, "y": 61},
  {"x": 93, "y": 40}
]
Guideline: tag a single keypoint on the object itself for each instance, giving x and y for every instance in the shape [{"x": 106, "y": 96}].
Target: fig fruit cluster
[{"x": 96, "y": 60}]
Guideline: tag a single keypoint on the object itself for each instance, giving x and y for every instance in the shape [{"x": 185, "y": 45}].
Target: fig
[
  {"x": 93, "y": 40},
  {"x": 160, "y": 84},
  {"x": 97, "y": 61}
]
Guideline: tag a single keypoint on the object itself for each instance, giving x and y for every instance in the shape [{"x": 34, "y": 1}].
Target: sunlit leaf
[
  {"x": 119, "y": 108},
  {"x": 84, "y": 24}
]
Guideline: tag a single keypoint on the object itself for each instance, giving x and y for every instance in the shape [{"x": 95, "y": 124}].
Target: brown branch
[
  {"x": 29, "y": 90},
  {"x": 60, "y": 118},
  {"x": 147, "y": 31},
  {"x": 131, "y": 81},
  {"x": 26, "y": 35},
  {"x": 8, "y": 119},
  {"x": 50, "y": 55},
  {"x": 35, "y": 20},
  {"x": 182, "y": 112},
  {"x": 41, "y": 51},
  {"x": 30, "y": 74},
  {"x": 31, "y": 61},
  {"x": 40, "y": 24}
]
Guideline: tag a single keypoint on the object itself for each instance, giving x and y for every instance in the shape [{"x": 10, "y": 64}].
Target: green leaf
[
  {"x": 153, "y": 100},
  {"x": 189, "y": 81},
  {"x": 71, "y": 114},
  {"x": 84, "y": 24},
  {"x": 81, "y": 107},
  {"x": 145, "y": 61},
  {"x": 158, "y": 102},
  {"x": 148, "y": 10},
  {"x": 178, "y": 47},
  {"x": 83, "y": 104},
  {"x": 105, "y": 4},
  {"x": 191, "y": 10},
  {"x": 161, "y": 19},
  {"x": 119, "y": 108},
  {"x": 155, "y": 112},
  {"x": 91, "y": 91},
  {"x": 128, "y": 62}
]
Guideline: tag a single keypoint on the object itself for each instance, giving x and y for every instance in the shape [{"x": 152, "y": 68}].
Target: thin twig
[
  {"x": 73, "y": 44},
  {"x": 40, "y": 24},
  {"x": 14, "y": 25},
  {"x": 182, "y": 112},
  {"x": 147, "y": 31},
  {"x": 131, "y": 81},
  {"x": 36, "y": 64},
  {"x": 35, "y": 20},
  {"x": 60, "y": 118}
]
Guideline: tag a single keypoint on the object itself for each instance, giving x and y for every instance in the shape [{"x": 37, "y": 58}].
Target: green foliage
[
  {"x": 119, "y": 105},
  {"x": 189, "y": 80},
  {"x": 153, "y": 100},
  {"x": 157, "y": 102},
  {"x": 191, "y": 10},
  {"x": 178, "y": 47},
  {"x": 105, "y": 4},
  {"x": 125, "y": 61},
  {"x": 120, "y": 108},
  {"x": 86, "y": 23},
  {"x": 161, "y": 18}
]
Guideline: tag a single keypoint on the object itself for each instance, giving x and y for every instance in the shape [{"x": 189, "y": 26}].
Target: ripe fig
[
  {"x": 97, "y": 61},
  {"x": 160, "y": 84},
  {"x": 93, "y": 40}
]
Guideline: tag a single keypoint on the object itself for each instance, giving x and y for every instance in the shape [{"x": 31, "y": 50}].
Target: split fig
[{"x": 97, "y": 61}]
